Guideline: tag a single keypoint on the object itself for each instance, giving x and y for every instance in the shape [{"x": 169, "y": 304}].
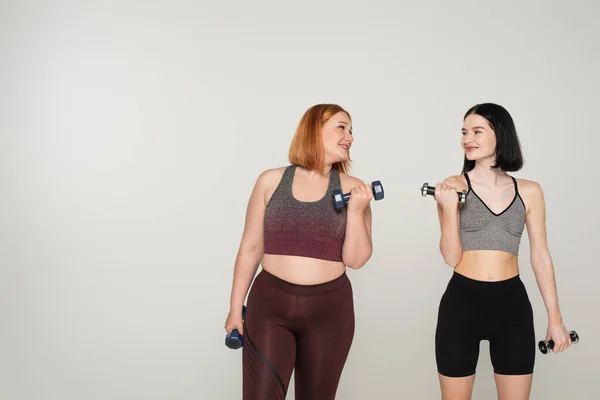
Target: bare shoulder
[
  {"x": 267, "y": 182},
  {"x": 348, "y": 182},
  {"x": 457, "y": 181},
  {"x": 529, "y": 188},
  {"x": 270, "y": 177},
  {"x": 531, "y": 192}
]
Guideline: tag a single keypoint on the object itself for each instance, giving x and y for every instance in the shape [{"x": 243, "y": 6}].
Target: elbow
[
  {"x": 250, "y": 251},
  {"x": 540, "y": 261},
  {"x": 451, "y": 257},
  {"x": 251, "y": 246},
  {"x": 452, "y": 261},
  {"x": 357, "y": 261},
  {"x": 540, "y": 255},
  {"x": 355, "y": 265}
]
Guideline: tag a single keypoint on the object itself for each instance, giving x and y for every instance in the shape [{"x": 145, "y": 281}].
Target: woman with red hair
[{"x": 300, "y": 312}]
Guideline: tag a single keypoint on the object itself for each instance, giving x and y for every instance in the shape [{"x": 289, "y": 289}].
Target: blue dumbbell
[
  {"x": 340, "y": 200},
  {"x": 234, "y": 340}
]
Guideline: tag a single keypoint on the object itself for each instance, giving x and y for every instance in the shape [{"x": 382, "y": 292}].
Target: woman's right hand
[
  {"x": 234, "y": 321},
  {"x": 446, "y": 195}
]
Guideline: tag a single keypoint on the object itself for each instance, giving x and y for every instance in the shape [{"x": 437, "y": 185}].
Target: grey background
[{"x": 131, "y": 134}]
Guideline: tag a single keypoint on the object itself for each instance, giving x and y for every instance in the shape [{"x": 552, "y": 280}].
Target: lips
[{"x": 344, "y": 146}]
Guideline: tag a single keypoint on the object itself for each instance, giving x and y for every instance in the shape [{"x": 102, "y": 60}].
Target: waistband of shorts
[
  {"x": 486, "y": 285},
  {"x": 304, "y": 290}
]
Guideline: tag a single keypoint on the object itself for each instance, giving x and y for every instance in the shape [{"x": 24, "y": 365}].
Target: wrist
[
  {"x": 235, "y": 306},
  {"x": 356, "y": 209},
  {"x": 554, "y": 318},
  {"x": 450, "y": 209}
]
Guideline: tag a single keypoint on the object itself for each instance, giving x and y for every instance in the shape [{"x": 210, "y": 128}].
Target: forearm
[
  {"x": 450, "y": 245},
  {"x": 543, "y": 268},
  {"x": 358, "y": 245},
  {"x": 246, "y": 264}
]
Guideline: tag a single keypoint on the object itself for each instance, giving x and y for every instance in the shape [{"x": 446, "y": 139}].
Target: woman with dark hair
[
  {"x": 300, "y": 308},
  {"x": 485, "y": 298}
]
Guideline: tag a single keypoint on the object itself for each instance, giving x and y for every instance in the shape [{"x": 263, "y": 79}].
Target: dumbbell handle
[
  {"x": 549, "y": 345},
  {"x": 339, "y": 199},
  {"x": 376, "y": 189},
  {"x": 430, "y": 190}
]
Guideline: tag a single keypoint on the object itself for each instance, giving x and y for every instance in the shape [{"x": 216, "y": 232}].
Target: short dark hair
[{"x": 508, "y": 149}]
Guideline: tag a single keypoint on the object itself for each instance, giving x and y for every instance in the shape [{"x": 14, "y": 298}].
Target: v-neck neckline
[{"x": 483, "y": 202}]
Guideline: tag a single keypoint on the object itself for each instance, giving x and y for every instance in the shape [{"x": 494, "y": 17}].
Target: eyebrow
[
  {"x": 475, "y": 127},
  {"x": 345, "y": 123}
]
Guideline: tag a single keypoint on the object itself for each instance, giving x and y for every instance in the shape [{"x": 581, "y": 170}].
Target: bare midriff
[
  {"x": 302, "y": 270},
  {"x": 488, "y": 265}
]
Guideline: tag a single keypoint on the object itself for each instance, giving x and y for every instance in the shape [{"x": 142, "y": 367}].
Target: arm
[
  {"x": 449, "y": 217},
  {"x": 540, "y": 258},
  {"x": 358, "y": 244},
  {"x": 251, "y": 248},
  {"x": 542, "y": 265}
]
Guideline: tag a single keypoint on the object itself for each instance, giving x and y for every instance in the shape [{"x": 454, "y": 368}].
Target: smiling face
[
  {"x": 479, "y": 139},
  {"x": 337, "y": 138}
]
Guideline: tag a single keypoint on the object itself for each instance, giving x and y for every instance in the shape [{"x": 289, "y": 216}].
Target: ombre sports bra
[{"x": 310, "y": 229}]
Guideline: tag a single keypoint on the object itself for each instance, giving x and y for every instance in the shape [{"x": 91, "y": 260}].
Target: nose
[{"x": 469, "y": 133}]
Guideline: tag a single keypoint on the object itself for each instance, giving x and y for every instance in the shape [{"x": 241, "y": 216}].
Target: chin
[
  {"x": 471, "y": 157},
  {"x": 338, "y": 158}
]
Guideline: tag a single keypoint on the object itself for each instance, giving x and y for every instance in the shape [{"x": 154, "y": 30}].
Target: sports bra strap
[{"x": 468, "y": 180}]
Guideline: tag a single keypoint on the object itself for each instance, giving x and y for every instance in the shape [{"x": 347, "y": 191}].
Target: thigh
[
  {"x": 456, "y": 388},
  {"x": 513, "y": 387},
  {"x": 512, "y": 347},
  {"x": 269, "y": 350},
  {"x": 324, "y": 342},
  {"x": 456, "y": 337},
  {"x": 456, "y": 351},
  {"x": 269, "y": 353}
]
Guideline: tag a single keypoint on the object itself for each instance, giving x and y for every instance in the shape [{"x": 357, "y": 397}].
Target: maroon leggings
[{"x": 308, "y": 328}]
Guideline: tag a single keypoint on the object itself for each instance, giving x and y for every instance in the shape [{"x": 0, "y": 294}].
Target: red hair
[{"x": 307, "y": 148}]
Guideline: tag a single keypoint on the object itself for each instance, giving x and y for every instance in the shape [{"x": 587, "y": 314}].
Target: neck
[
  {"x": 323, "y": 172},
  {"x": 484, "y": 172}
]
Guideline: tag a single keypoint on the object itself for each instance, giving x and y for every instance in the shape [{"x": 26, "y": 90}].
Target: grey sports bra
[{"x": 482, "y": 229}]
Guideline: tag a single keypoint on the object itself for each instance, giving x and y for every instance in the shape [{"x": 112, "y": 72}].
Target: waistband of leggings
[{"x": 304, "y": 290}]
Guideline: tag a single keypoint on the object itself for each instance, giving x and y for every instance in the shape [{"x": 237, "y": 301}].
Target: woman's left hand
[
  {"x": 360, "y": 196},
  {"x": 560, "y": 335}
]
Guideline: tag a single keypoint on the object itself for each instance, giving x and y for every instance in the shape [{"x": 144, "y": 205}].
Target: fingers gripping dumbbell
[
  {"x": 549, "y": 345},
  {"x": 430, "y": 190},
  {"x": 234, "y": 340},
  {"x": 340, "y": 200}
]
